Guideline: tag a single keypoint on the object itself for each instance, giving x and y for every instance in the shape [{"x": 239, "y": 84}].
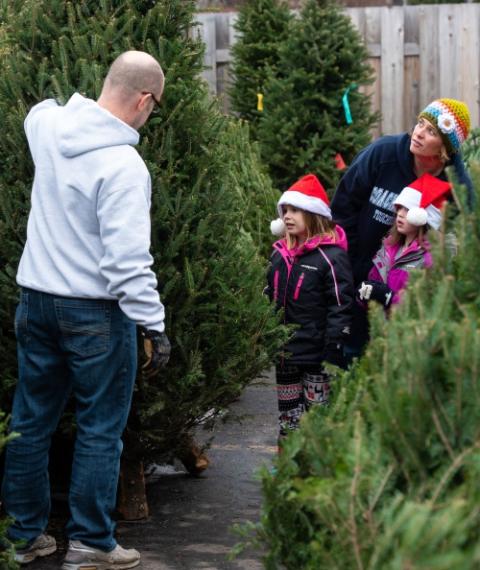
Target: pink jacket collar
[
  {"x": 317, "y": 241},
  {"x": 392, "y": 249}
]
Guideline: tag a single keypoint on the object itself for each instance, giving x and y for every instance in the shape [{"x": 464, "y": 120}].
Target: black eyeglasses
[{"x": 157, "y": 107}]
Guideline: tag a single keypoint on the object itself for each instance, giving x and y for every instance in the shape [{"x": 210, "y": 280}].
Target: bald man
[{"x": 85, "y": 284}]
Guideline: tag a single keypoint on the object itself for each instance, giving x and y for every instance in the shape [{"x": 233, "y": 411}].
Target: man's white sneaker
[
  {"x": 82, "y": 557},
  {"x": 43, "y": 545}
]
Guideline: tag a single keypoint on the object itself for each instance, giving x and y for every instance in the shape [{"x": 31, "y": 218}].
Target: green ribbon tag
[{"x": 346, "y": 104}]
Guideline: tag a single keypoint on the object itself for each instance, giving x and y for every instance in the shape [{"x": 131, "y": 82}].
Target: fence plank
[
  {"x": 222, "y": 31},
  {"x": 392, "y": 33},
  {"x": 411, "y": 92},
  {"x": 468, "y": 32},
  {"x": 357, "y": 15},
  {"x": 411, "y": 24},
  {"x": 207, "y": 31},
  {"x": 429, "y": 60},
  {"x": 447, "y": 54},
  {"x": 233, "y": 17},
  {"x": 375, "y": 91}
]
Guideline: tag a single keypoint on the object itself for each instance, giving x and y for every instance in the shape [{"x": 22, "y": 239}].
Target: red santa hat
[
  {"x": 423, "y": 199},
  {"x": 306, "y": 194}
]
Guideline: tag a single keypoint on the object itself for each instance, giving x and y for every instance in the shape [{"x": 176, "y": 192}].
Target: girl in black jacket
[{"x": 311, "y": 279}]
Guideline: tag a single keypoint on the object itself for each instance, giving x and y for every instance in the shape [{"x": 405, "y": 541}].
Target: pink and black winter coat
[
  {"x": 314, "y": 285},
  {"x": 392, "y": 266}
]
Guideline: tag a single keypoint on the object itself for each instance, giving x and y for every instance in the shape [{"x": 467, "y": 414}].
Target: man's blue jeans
[{"x": 69, "y": 346}]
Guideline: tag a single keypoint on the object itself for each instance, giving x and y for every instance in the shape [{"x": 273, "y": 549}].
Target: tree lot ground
[{"x": 191, "y": 518}]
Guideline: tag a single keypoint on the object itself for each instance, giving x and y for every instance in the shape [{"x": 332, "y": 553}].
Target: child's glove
[
  {"x": 375, "y": 291},
  {"x": 157, "y": 349},
  {"x": 334, "y": 354}
]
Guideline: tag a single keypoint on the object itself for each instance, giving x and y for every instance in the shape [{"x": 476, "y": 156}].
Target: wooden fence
[{"x": 418, "y": 53}]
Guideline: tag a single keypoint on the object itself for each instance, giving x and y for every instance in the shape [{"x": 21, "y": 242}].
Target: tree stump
[
  {"x": 132, "y": 498},
  {"x": 193, "y": 458}
]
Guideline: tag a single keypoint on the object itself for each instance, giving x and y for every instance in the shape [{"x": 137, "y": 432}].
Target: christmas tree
[
  {"x": 387, "y": 478},
  {"x": 262, "y": 26},
  {"x": 304, "y": 123},
  {"x": 210, "y": 214},
  {"x": 471, "y": 147},
  {"x": 6, "y": 551}
]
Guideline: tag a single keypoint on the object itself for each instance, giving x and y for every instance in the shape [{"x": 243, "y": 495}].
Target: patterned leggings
[{"x": 299, "y": 388}]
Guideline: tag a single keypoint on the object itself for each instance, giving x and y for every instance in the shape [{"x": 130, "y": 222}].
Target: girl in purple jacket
[{"x": 418, "y": 208}]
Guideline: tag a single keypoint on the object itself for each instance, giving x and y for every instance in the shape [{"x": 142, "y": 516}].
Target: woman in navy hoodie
[
  {"x": 310, "y": 277},
  {"x": 364, "y": 201}
]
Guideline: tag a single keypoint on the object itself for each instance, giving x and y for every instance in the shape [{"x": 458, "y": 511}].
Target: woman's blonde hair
[
  {"x": 316, "y": 225},
  {"x": 444, "y": 154}
]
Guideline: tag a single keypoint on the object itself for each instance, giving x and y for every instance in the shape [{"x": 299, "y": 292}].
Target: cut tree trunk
[{"x": 194, "y": 459}]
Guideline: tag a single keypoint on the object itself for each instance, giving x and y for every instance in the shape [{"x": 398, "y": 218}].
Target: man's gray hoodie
[{"x": 88, "y": 231}]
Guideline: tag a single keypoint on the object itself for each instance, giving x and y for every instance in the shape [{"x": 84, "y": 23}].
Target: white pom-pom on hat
[
  {"x": 426, "y": 194},
  {"x": 277, "y": 227},
  {"x": 417, "y": 216}
]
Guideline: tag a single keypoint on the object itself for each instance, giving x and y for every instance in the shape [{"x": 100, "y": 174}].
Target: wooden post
[{"x": 132, "y": 498}]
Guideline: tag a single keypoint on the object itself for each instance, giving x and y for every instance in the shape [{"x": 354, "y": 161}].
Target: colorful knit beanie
[{"x": 452, "y": 119}]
